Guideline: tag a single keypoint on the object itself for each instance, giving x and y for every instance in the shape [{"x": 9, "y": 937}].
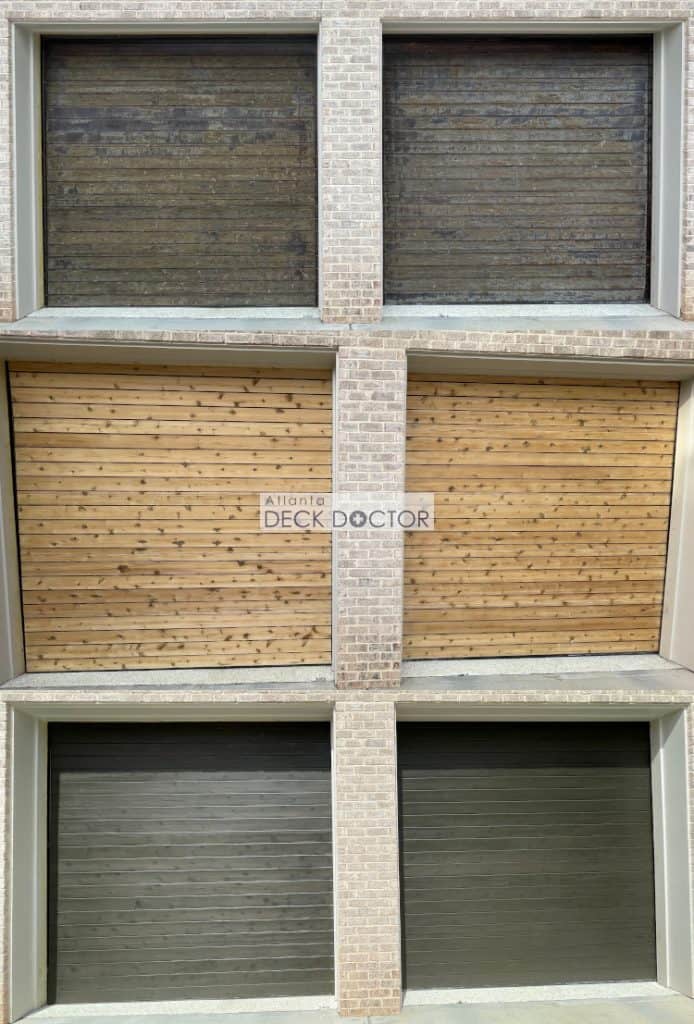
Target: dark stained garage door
[
  {"x": 517, "y": 169},
  {"x": 189, "y": 861},
  {"x": 527, "y": 855},
  {"x": 180, "y": 171}
]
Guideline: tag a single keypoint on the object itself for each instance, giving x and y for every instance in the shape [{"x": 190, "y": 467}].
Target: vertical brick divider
[
  {"x": 350, "y": 178},
  {"x": 367, "y": 866},
  {"x": 368, "y": 565},
  {"x": 687, "y": 256},
  {"x": 7, "y": 268}
]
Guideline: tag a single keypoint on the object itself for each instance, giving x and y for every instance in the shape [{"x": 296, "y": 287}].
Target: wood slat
[
  {"x": 152, "y": 555},
  {"x": 248, "y": 223},
  {"x": 545, "y": 525},
  {"x": 516, "y": 169}
]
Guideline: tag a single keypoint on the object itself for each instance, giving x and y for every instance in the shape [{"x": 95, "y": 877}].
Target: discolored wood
[
  {"x": 189, "y": 861},
  {"x": 152, "y": 555},
  {"x": 526, "y": 854},
  {"x": 180, "y": 171},
  {"x": 533, "y": 518},
  {"x": 517, "y": 169}
]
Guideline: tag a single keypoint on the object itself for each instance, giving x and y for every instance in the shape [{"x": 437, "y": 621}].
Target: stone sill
[{"x": 220, "y": 325}]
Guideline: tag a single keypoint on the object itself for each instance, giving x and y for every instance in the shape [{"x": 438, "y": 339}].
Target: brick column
[
  {"x": 7, "y": 284},
  {"x": 688, "y": 201},
  {"x": 367, "y": 881},
  {"x": 349, "y": 152},
  {"x": 371, "y": 395}
]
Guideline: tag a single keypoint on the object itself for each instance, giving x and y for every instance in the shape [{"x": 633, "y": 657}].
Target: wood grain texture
[
  {"x": 517, "y": 169},
  {"x": 189, "y": 861},
  {"x": 550, "y": 537},
  {"x": 149, "y": 554},
  {"x": 526, "y": 853},
  {"x": 180, "y": 171}
]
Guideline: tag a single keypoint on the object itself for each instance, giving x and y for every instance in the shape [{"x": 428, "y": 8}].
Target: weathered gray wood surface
[
  {"x": 517, "y": 169},
  {"x": 180, "y": 172}
]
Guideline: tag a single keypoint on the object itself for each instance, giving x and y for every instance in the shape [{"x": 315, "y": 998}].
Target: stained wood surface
[
  {"x": 552, "y": 515},
  {"x": 526, "y": 853},
  {"x": 517, "y": 169},
  {"x": 138, "y": 497},
  {"x": 180, "y": 171},
  {"x": 189, "y": 862}
]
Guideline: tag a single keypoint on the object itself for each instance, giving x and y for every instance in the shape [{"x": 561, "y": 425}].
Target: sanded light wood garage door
[
  {"x": 180, "y": 172},
  {"x": 189, "y": 861},
  {"x": 139, "y": 521},
  {"x": 552, "y": 512},
  {"x": 517, "y": 169}
]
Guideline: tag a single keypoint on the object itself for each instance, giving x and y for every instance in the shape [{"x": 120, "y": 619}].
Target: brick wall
[
  {"x": 350, "y": 112},
  {"x": 367, "y": 891},
  {"x": 371, "y": 389}
]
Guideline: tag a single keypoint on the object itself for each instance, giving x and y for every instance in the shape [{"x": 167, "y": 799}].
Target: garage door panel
[
  {"x": 139, "y": 515},
  {"x": 155, "y": 894},
  {"x": 516, "y": 169},
  {"x": 168, "y": 187},
  {"x": 549, "y": 487},
  {"x": 526, "y": 853}
]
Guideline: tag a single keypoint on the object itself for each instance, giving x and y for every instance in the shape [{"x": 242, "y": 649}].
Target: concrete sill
[
  {"x": 166, "y": 318},
  {"x": 532, "y": 317}
]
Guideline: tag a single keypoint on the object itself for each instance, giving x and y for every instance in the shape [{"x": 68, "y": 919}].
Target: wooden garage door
[
  {"x": 527, "y": 853},
  {"x": 189, "y": 862},
  {"x": 552, "y": 512},
  {"x": 138, "y": 494},
  {"x": 180, "y": 172},
  {"x": 517, "y": 169}
]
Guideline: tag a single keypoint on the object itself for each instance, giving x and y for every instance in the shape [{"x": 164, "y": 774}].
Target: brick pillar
[
  {"x": 367, "y": 881},
  {"x": 371, "y": 395},
  {"x": 7, "y": 287},
  {"x": 688, "y": 200},
  {"x": 349, "y": 152}
]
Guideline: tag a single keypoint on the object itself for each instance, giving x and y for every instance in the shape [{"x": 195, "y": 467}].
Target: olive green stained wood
[
  {"x": 189, "y": 861},
  {"x": 526, "y": 853},
  {"x": 517, "y": 169},
  {"x": 180, "y": 171}
]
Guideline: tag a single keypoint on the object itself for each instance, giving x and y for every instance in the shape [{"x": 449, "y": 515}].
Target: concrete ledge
[
  {"x": 538, "y": 666},
  {"x": 318, "y": 677}
]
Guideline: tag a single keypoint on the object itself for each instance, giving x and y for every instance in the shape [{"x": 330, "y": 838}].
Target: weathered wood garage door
[
  {"x": 180, "y": 172},
  {"x": 517, "y": 169},
  {"x": 138, "y": 495},
  {"x": 527, "y": 853},
  {"x": 189, "y": 862},
  {"x": 552, "y": 511}
]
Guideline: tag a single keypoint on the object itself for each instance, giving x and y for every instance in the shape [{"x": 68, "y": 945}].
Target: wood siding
[
  {"x": 517, "y": 169},
  {"x": 138, "y": 496},
  {"x": 189, "y": 862},
  {"x": 552, "y": 515},
  {"x": 180, "y": 172},
  {"x": 526, "y": 853}
]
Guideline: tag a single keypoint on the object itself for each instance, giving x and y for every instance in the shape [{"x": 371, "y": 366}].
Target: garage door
[
  {"x": 526, "y": 854},
  {"x": 552, "y": 512},
  {"x": 138, "y": 493},
  {"x": 180, "y": 172},
  {"x": 517, "y": 169},
  {"x": 189, "y": 861}
]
